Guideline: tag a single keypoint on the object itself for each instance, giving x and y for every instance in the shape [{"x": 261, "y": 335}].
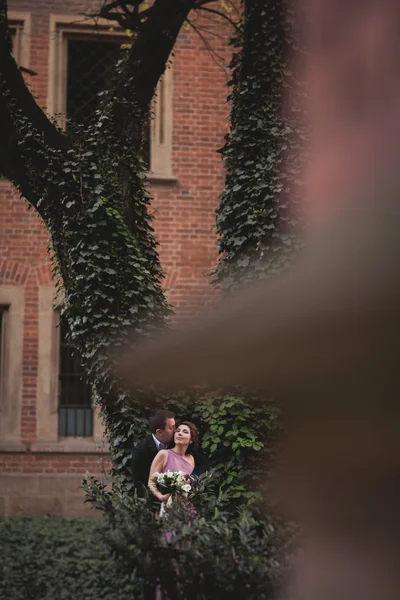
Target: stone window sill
[
  {"x": 155, "y": 178},
  {"x": 66, "y": 445},
  {"x": 9, "y": 447},
  {"x": 72, "y": 445},
  {"x": 160, "y": 179}
]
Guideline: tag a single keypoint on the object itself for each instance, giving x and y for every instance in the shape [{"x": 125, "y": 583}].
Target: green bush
[
  {"x": 54, "y": 559},
  {"x": 208, "y": 549}
]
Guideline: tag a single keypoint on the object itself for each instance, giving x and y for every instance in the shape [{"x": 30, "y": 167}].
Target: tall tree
[
  {"x": 90, "y": 191},
  {"x": 254, "y": 223}
]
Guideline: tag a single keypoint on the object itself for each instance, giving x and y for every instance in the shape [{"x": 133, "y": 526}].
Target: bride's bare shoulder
[{"x": 161, "y": 457}]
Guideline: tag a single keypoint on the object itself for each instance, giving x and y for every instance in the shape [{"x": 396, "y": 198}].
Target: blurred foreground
[{"x": 323, "y": 338}]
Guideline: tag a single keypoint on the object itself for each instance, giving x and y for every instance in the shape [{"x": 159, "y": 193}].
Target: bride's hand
[{"x": 164, "y": 497}]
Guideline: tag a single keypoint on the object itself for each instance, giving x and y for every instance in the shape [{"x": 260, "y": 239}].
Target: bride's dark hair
[{"x": 194, "y": 446}]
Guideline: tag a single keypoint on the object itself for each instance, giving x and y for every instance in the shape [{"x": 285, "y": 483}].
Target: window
[
  {"x": 16, "y": 38},
  {"x": 65, "y": 418},
  {"x": 20, "y": 26},
  {"x": 75, "y": 418},
  {"x": 3, "y": 310},
  {"x": 12, "y": 304},
  {"x": 82, "y": 61},
  {"x": 90, "y": 66}
]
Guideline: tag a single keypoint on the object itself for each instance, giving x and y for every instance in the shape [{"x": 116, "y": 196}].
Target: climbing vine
[
  {"x": 257, "y": 215},
  {"x": 109, "y": 273},
  {"x": 258, "y": 218}
]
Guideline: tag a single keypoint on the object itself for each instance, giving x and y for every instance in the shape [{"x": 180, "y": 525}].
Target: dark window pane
[
  {"x": 62, "y": 420},
  {"x": 91, "y": 67},
  {"x": 75, "y": 400},
  {"x": 75, "y": 421},
  {"x": 71, "y": 429}
]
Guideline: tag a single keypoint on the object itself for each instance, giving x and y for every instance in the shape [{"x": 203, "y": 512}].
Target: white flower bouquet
[{"x": 172, "y": 482}]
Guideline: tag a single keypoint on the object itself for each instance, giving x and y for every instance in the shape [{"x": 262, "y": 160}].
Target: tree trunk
[
  {"x": 251, "y": 220},
  {"x": 91, "y": 194}
]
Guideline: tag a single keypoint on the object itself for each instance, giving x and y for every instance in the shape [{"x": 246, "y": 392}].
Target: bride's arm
[{"x": 157, "y": 466}]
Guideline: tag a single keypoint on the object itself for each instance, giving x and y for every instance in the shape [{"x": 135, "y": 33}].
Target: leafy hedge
[
  {"x": 49, "y": 559},
  {"x": 209, "y": 549}
]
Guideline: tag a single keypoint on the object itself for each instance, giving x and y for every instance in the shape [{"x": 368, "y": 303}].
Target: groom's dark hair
[{"x": 159, "y": 420}]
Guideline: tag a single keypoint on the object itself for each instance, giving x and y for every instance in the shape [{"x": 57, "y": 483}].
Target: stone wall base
[{"x": 43, "y": 494}]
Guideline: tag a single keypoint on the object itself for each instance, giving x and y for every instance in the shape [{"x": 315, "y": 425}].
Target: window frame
[
  {"x": 69, "y": 406},
  {"x": 12, "y": 302},
  {"x": 63, "y": 27},
  {"x": 47, "y": 436},
  {"x": 21, "y": 21}
]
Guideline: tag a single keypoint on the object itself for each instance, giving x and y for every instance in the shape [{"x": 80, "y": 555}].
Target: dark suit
[
  {"x": 143, "y": 455},
  {"x": 201, "y": 464}
]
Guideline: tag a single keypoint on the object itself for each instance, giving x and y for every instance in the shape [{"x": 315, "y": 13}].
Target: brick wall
[{"x": 184, "y": 211}]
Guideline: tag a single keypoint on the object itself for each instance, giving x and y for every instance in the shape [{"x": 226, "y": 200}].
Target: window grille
[
  {"x": 90, "y": 68},
  {"x": 75, "y": 398}
]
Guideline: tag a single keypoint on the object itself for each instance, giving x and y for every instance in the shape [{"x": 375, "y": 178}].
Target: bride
[{"x": 179, "y": 458}]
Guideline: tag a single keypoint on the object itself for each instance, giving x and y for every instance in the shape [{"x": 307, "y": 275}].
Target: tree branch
[
  {"x": 14, "y": 90},
  {"x": 213, "y": 11},
  {"x": 12, "y": 79},
  {"x": 154, "y": 44},
  {"x": 214, "y": 55}
]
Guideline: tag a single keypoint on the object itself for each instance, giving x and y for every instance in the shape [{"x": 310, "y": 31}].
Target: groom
[{"x": 162, "y": 429}]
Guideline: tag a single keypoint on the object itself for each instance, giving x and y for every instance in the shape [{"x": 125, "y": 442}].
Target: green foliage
[
  {"x": 48, "y": 559},
  {"x": 255, "y": 220},
  {"x": 103, "y": 248},
  {"x": 198, "y": 553},
  {"x": 232, "y": 424},
  {"x": 239, "y": 435}
]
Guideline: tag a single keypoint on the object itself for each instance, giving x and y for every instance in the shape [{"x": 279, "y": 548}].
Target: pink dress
[{"x": 175, "y": 462}]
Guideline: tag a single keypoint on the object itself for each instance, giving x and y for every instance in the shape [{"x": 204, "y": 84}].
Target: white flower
[{"x": 173, "y": 481}]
